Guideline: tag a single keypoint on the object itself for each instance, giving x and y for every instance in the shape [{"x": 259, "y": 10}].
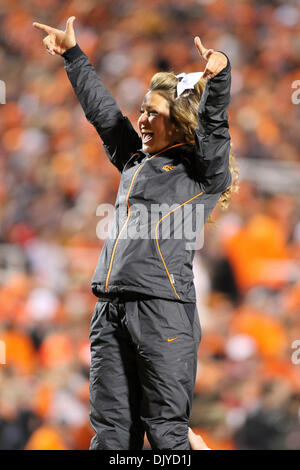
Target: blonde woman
[{"x": 145, "y": 329}]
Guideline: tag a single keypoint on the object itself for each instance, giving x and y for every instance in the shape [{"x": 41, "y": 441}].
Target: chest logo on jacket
[{"x": 168, "y": 167}]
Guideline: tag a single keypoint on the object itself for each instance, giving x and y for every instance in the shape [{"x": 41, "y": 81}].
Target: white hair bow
[{"x": 188, "y": 81}]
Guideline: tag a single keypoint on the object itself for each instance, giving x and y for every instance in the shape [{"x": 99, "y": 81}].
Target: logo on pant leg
[{"x": 172, "y": 339}]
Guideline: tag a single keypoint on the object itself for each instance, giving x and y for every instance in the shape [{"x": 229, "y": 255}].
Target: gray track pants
[{"x": 143, "y": 369}]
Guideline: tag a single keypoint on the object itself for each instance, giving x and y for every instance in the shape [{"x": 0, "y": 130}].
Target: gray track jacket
[{"x": 162, "y": 197}]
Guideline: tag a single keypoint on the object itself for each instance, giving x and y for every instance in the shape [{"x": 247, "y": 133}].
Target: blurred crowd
[{"x": 54, "y": 173}]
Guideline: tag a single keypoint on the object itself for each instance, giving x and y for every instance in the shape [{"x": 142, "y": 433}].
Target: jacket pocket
[
  {"x": 170, "y": 263},
  {"x": 190, "y": 319}
]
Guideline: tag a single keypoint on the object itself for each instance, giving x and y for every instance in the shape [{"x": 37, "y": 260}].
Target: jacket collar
[{"x": 175, "y": 149}]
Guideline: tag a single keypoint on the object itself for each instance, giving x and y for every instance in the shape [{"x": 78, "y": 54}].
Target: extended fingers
[
  {"x": 69, "y": 25},
  {"x": 205, "y": 53},
  {"x": 216, "y": 60},
  {"x": 48, "y": 41},
  {"x": 43, "y": 27},
  {"x": 202, "y": 50}
]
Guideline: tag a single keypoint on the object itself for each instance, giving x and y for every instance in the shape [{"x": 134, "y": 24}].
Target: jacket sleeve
[
  {"x": 119, "y": 138},
  {"x": 212, "y": 138}
]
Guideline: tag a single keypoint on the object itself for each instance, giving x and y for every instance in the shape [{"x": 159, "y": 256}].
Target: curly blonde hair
[{"x": 184, "y": 114}]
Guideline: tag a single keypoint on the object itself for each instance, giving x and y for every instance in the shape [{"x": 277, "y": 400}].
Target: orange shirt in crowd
[
  {"x": 20, "y": 352},
  {"x": 46, "y": 438},
  {"x": 268, "y": 332},
  {"x": 254, "y": 249}
]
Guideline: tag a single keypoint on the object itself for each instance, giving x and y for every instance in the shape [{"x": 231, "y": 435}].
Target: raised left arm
[{"x": 212, "y": 138}]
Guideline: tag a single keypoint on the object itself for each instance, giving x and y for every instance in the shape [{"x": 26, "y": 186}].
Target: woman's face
[{"x": 156, "y": 129}]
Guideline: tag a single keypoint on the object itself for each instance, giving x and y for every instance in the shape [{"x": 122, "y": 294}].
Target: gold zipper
[{"x": 156, "y": 237}]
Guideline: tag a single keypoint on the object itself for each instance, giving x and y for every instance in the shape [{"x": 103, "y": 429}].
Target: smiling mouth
[{"x": 146, "y": 137}]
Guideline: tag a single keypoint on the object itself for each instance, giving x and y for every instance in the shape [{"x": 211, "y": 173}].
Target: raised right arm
[{"x": 119, "y": 138}]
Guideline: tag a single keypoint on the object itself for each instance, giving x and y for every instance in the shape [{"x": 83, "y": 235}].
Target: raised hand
[
  {"x": 57, "y": 41},
  {"x": 216, "y": 61}
]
